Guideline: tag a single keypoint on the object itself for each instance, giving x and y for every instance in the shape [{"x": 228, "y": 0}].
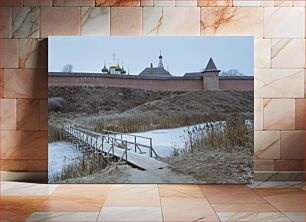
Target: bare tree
[
  {"x": 231, "y": 72},
  {"x": 67, "y": 68}
]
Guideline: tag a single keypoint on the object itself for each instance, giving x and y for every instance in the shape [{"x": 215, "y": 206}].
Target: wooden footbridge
[{"x": 127, "y": 148}]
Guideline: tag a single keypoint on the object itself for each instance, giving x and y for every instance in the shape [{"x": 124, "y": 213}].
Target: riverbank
[{"x": 134, "y": 110}]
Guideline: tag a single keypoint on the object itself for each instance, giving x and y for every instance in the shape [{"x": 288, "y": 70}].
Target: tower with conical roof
[{"x": 211, "y": 76}]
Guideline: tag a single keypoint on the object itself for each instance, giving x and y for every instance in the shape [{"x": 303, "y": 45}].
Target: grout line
[
  {"x": 209, "y": 202},
  {"x": 160, "y": 203}
]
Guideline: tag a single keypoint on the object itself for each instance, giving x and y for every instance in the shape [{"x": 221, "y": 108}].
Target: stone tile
[
  {"x": 25, "y": 22},
  {"x": 238, "y": 21},
  {"x": 254, "y": 216},
  {"x": 279, "y": 3},
  {"x": 73, "y": 2},
  {"x": 300, "y": 114},
  {"x": 18, "y": 208},
  {"x": 5, "y": 22},
  {"x": 95, "y": 21},
  {"x": 295, "y": 216},
  {"x": 71, "y": 204},
  {"x": 278, "y": 191},
  {"x": 91, "y": 191},
  {"x": 289, "y": 165},
  {"x": 249, "y": 3},
  {"x": 33, "y": 190},
  {"x": 263, "y": 165},
  {"x": 277, "y": 184},
  {"x": 13, "y": 165},
  {"x": 187, "y": 209},
  {"x": 207, "y": 3},
  {"x": 28, "y": 114},
  {"x": 33, "y": 53},
  {"x": 8, "y": 114},
  {"x": 171, "y": 21},
  {"x": 1, "y": 83},
  {"x": 263, "y": 207},
  {"x": 130, "y": 214},
  {"x": 279, "y": 114},
  {"x": 63, "y": 216},
  {"x": 37, "y": 2},
  {"x": 43, "y": 114},
  {"x": 273, "y": 83},
  {"x": 225, "y": 194},
  {"x": 282, "y": 49},
  {"x": 146, "y": 2},
  {"x": 51, "y": 17},
  {"x": 5, "y": 3},
  {"x": 8, "y": 53},
  {"x": 279, "y": 176},
  {"x": 267, "y": 145},
  {"x": 25, "y": 83},
  {"x": 163, "y": 3},
  {"x": 258, "y": 114},
  {"x": 262, "y": 53},
  {"x": 126, "y": 21},
  {"x": 304, "y": 83},
  {"x": 118, "y": 3},
  {"x": 292, "y": 145},
  {"x": 186, "y": 3},
  {"x": 23, "y": 144},
  {"x": 173, "y": 190},
  {"x": 285, "y": 200},
  {"x": 267, "y": 3},
  {"x": 133, "y": 196},
  {"x": 37, "y": 165},
  {"x": 299, "y": 3},
  {"x": 278, "y": 22}
]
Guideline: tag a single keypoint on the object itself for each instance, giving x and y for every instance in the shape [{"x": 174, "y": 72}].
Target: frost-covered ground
[{"x": 60, "y": 154}]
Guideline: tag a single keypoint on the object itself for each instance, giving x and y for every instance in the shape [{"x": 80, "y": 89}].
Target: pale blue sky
[{"x": 180, "y": 54}]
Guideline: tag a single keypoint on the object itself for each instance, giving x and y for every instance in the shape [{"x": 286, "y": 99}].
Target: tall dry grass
[
  {"x": 86, "y": 165},
  {"x": 55, "y": 134},
  {"x": 140, "y": 123},
  {"x": 226, "y": 136}
]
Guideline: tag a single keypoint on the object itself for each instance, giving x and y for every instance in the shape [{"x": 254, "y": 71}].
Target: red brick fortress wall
[
  {"x": 157, "y": 84},
  {"x": 236, "y": 84}
]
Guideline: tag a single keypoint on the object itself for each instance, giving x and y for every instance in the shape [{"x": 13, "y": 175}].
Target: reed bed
[
  {"x": 88, "y": 164},
  {"x": 216, "y": 153},
  {"x": 226, "y": 136},
  {"x": 135, "y": 123},
  {"x": 55, "y": 134}
]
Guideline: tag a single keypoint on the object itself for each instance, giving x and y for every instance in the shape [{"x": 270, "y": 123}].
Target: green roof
[{"x": 104, "y": 69}]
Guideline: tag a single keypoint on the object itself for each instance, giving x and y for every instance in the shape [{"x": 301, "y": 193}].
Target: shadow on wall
[{"x": 24, "y": 149}]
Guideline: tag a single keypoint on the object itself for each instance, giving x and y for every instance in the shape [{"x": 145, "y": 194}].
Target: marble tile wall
[{"x": 277, "y": 25}]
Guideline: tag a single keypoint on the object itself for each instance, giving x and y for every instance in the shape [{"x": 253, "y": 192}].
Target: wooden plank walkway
[{"x": 112, "y": 146}]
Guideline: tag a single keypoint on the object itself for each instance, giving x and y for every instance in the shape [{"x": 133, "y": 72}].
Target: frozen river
[
  {"x": 163, "y": 141},
  {"x": 63, "y": 153},
  {"x": 60, "y": 154}
]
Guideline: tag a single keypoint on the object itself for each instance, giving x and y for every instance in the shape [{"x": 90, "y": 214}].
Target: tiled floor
[{"x": 269, "y": 201}]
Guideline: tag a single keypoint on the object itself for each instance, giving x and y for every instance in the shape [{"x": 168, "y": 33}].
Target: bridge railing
[
  {"x": 134, "y": 141},
  {"x": 96, "y": 141},
  {"x": 111, "y": 138}
]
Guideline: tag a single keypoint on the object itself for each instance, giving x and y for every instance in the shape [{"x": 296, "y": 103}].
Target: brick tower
[{"x": 211, "y": 76}]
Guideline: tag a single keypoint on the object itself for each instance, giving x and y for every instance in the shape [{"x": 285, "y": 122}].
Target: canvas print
[{"x": 151, "y": 109}]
